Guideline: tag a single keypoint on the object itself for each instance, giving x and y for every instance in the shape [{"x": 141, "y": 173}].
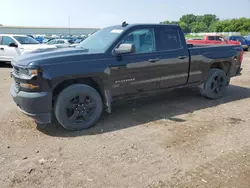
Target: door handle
[
  {"x": 154, "y": 60},
  {"x": 1, "y": 48},
  {"x": 182, "y": 57}
]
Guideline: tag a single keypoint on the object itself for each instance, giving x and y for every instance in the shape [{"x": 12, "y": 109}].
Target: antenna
[{"x": 124, "y": 24}]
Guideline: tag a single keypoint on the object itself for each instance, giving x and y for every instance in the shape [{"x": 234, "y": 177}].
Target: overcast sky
[{"x": 101, "y": 13}]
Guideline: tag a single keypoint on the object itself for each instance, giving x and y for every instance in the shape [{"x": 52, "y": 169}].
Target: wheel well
[
  {"x": 225, "y": 66},
  {"x": 96, "y": 83}
]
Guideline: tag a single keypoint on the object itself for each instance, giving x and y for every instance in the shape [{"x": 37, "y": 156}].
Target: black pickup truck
[{"x": 75, "y": 84}]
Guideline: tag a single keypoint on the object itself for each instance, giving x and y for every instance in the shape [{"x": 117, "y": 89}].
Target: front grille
[{"x": 17, "y": 86}]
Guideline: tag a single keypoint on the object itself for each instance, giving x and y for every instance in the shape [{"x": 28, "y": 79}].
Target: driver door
[{"x": 138, "y": 71}]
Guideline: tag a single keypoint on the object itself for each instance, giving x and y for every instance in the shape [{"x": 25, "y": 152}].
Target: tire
[
  {"x": 78, "y": 107},
  {"x": 215, "y": 84}
]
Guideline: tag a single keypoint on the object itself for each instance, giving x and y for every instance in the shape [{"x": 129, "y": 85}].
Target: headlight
[
  {"x": 21, "y": 72},
  {"x": 33, "y": 72}
]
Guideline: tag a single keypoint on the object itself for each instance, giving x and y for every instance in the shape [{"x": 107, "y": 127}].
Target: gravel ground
[{"x": 175, "y": 139}]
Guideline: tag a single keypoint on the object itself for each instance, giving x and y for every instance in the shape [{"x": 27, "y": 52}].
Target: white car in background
[
  {"x": 60, "y": 43},
  {"x": 12, "y": 46}
]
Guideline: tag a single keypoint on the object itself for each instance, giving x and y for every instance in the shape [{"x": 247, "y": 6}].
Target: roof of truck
[{"x": 145, "y": 25}]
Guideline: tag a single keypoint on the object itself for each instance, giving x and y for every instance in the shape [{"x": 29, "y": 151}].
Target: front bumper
[{"x": 35, "y": 105}]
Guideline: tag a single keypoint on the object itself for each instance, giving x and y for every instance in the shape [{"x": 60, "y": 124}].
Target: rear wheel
[
  {"x": 78, "y": 107},
  {"x": 215, "y": 85}
]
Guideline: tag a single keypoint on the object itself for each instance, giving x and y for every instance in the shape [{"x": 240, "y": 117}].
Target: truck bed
[{"x": 209, "y": 54}]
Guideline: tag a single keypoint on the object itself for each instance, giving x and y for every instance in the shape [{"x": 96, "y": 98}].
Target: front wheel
[
  {"x": 78, "y": 107},
  {"x": 215, "y": 84}
]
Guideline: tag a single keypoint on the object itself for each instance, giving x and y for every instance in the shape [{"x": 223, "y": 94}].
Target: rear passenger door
[{"x": 174, "y": 57}]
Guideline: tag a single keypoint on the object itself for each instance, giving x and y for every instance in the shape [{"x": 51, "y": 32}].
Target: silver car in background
[{"x": 60, "y": 43}]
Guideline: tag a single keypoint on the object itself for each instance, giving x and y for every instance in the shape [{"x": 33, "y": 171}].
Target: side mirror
[
  {"x": 13, "y": 45},
  {"x": 124, "y": 49}
]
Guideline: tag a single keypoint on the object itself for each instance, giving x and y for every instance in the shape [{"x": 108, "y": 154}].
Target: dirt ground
[{"x": 176, "y": 139}]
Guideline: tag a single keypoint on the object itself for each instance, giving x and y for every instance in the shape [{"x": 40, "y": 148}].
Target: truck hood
[{"x": 52, "y": 56}]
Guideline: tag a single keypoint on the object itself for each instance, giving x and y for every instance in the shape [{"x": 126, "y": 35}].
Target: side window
[
  {"x": 60, "y": 42},
  {"x": 169, "y": 39},
  {"x": 143, "y": 40},
  {"x": 218, "y": 38},
  {"x": 51, "y": 42},
  {"x": 7, "y": 40},
  {"x": 211, "y": 38},
  {"x": 70, "y": 41}
]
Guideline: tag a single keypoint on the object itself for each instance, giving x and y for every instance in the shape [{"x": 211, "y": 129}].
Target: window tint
[
  {"x": 7, "y": 40},
  {"x": 211, "y": 38},
  {"x": 143, "y": 40},
  {"x": 26, "y": 40},
  {"x": 218, "y": 38},
  {"x": 60, "y": 42},
  {"x": 52, "y": 42},
  {"x": 169, "y": 39},
  {"x": 70, "y": 41}
]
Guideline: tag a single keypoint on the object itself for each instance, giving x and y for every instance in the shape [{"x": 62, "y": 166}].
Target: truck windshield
[
  {"x": 101, "y": 40},
  {"x": 26, "y": 40}
]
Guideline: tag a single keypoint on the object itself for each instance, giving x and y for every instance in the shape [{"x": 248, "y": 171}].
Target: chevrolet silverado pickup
[
  {"x": 74, "y": 85},
  {"x": 213, "y": 40}
]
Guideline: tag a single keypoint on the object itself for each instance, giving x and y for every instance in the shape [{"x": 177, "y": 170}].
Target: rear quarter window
[{"x": 169, "y": 39}]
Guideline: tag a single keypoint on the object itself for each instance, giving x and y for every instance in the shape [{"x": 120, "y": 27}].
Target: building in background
[{"x": 49, "y": 31}]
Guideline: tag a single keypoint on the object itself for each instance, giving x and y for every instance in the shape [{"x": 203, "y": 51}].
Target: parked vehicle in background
[
  {"x": 39, "y": 39},
  {"x": 60, "y": 43},
  {"x": 46, "y": 40},
  {"x": 248, "y": 39},
  {"x": 244, "y": 43},
  {"x": 77, "y": 42},
  {"x": 213, "y": 40},
  {"x": 12, "y": 46},
  {"x": 117, "y": 62}
]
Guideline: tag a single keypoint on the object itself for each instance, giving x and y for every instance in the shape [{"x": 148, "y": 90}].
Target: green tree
[
  {"x": 210, "y": 23},
  {"x": 188, "y": 19},
  {"x": 199, "y": 27},
  {"x": 209, "y": 19},
  {"x": 184, "y": 27}
]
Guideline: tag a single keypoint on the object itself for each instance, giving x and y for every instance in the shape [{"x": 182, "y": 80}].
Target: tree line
[{"x": 191, "y": 23}]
